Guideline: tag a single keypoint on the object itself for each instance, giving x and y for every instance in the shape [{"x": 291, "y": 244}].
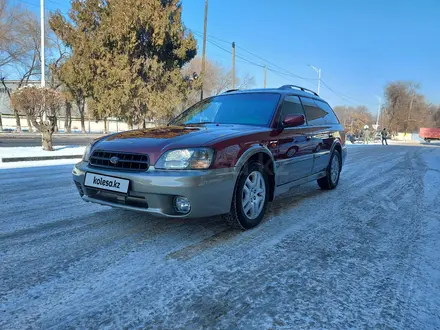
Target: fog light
[{"x": 182, "y": 204}]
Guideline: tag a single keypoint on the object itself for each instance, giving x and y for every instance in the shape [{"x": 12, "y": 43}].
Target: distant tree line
[{"x": 404, "y": 110}]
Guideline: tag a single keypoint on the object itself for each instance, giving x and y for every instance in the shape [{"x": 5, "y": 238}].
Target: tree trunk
[
  {"x": 144, "y": 124},
  {"x": 83, "y": 125},
  {"x": 68, "y": 118},
  {"x": 130, "y": 123},
  {"x": 56, "y": 125},
  {"x": 46, "y": 136},
  {"x": 46, "y": 129},
  {"x": 17, "y": 122},
  {"x": 80, "y": 102},
  {"x": 1, "y": 123},
  {"x": 105, "y": 126},
  {"x": 29, "y": 124}
]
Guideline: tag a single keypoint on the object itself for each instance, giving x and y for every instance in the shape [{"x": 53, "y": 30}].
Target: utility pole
[
  {"x": 378, "y": 111},
  {"x": 345, "y": 116},
  {"x": 43, "y": 78},
  {"x": 233, "y": 65},
  {"x": 205, "y": 23},
  {"x": 43, "y": 67},
  {"x": 410, "y": 108},
  {"x": 319, "y": 77},
  {"x": 265, "y": 76}
]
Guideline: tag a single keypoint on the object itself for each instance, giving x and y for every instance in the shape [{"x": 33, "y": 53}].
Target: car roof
[{"x": 286, "y": 89}]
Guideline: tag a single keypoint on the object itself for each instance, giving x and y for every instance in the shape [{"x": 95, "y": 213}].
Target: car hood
[{"x": 155, "y": 141}]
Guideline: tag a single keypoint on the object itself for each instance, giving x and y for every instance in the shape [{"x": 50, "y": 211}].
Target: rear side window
[
  {"x": 318, "y": 113},
  {"x": 330, "y": 118},
  {"x": 291, "y": 106}
]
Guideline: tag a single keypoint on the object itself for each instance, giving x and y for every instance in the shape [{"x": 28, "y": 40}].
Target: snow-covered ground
[
  {"x": 39, "y": 152},
  {"x": 38, "y": 163},
  {"x": 365, "y": 255}
]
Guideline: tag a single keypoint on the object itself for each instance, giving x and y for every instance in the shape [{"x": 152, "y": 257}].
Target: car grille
[{"x": 125, "y": 161}]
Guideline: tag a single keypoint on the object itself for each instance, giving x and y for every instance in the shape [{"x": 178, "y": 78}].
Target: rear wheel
[
  {"x": 331, "y": 180},
  {"x": 250, "y": 198}
]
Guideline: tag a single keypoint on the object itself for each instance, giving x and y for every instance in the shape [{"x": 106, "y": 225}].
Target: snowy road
[{"x": 365, "y": 255}]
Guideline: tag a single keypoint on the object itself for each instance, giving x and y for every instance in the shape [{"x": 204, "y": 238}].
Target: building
[{"x": 11, "y": 85}]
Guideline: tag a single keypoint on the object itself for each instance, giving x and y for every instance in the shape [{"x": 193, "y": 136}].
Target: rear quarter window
[
  {"x": 318, "y": 112},
  {"x": 330, "y": 118}
]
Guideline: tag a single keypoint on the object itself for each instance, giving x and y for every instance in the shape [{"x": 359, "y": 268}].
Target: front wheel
[
  {"x": 331, "y": 180},
  {"x": 250, "y": 198}
]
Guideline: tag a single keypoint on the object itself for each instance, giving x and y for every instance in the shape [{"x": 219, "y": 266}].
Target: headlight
[
  {"x": 181, "y": 159},
  {"x": 86, "y": 155}
]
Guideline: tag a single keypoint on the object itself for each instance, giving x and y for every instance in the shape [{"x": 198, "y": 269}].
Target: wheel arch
[
  {"x": 337, "y": 146},
  {"x": 262, "y": 155}
]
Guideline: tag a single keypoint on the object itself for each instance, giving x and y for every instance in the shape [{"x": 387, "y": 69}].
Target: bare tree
[
  {"x": 405, "y": 109},
  {"x": 36, "y": 101},
  {"x": 354, "y": 118},
  {"x": 13, "y": 44},
  {"x": 245, "y": 82},
  {"x": 26, "y": 62},
  {"x": 217, "y": 79},
  {"x": 435, "y": 115},
  {"x": 58, "y": 52}
]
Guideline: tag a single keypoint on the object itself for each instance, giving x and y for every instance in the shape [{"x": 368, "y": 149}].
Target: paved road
[
  {"x": 365, "y": 255},
  {"x": 9, "y": 140}
]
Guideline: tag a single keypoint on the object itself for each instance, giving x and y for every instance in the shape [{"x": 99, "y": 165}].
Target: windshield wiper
[{"x": 201, "y": 123}]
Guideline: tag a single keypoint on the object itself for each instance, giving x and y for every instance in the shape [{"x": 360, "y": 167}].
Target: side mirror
[{"x": 294, "y": 120}]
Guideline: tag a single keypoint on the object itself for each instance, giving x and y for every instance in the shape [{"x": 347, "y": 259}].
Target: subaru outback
[{"x": 226, "y": 155}]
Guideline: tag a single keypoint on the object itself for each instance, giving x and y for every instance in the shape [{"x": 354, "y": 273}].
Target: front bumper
[{"x": 209, "y": 192}]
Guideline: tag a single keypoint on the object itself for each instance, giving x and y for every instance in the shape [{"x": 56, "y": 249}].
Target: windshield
[{"x": 245, "y": 109}]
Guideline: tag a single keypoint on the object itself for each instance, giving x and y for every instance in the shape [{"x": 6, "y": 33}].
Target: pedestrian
[
  {"x": 366, "y": 136},
  {"x": 384, "y": 135}
]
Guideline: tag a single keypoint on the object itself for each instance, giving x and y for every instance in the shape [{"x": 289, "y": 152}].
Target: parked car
[{"x": 227, "y": 155}]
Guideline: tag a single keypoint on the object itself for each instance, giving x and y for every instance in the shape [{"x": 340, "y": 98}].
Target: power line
[
  {"x": 245, "y": 60},
  {"x": 347, "y": 98},
  {"x": 283, "y": 73},
  {"x": 275, "y": 65},
  {"x": 255, "y": 55},
  {"x": 47, "y": 9},
  {"x": 29, "y": 3},
  {"x": 210, "y": 36}
]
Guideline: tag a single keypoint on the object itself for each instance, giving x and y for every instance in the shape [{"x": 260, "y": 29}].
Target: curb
[
  {"x": 25, "y": 159},
  {"x": 33, "y": 135}
]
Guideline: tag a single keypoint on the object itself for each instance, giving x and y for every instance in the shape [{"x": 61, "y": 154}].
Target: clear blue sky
[{"x": 360, "y": 45}]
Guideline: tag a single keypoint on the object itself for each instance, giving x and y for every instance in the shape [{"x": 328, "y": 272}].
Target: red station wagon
[{"x": 227, "y": 155}]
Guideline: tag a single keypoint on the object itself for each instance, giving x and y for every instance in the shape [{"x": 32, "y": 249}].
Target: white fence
[{"x": 92, "y": 126}]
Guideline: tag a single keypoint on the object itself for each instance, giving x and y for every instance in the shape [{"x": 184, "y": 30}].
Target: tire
[
  {"x": 330, "y": 181},
  {"x": 248, "y": 215}
]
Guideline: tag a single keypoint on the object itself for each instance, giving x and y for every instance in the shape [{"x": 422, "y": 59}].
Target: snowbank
[
  {"x": 39, "y": 163},
  {"x": 39, "y": 152}
]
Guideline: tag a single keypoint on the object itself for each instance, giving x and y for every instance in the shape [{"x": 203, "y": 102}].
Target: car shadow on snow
[
  {"x": 286, "y": 202},
  {"x": 202, "y": 233}
]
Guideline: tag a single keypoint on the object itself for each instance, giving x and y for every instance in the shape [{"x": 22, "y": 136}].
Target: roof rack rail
[
  {"x": 231, "y": 90},
  {"x": 298, "y": 87}
]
